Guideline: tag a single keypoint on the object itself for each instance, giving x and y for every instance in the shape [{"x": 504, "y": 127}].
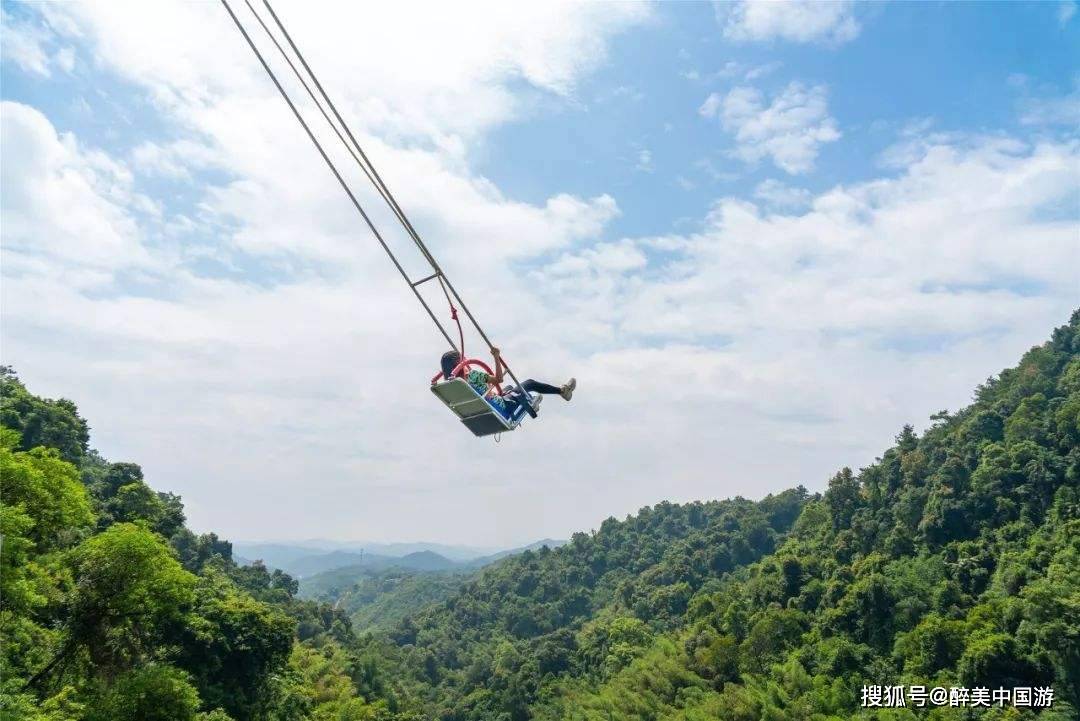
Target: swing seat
[{"x": 477, "y": 413}]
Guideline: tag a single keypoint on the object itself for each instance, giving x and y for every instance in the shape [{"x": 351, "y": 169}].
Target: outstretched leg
[
  {"x": 534, "y": 386},
  {"x": 531, "y": 386}
]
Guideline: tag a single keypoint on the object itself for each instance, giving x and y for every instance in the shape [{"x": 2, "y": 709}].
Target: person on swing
[{"x": 484, "y": 384}]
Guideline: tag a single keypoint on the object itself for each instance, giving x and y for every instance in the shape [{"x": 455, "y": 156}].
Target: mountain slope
[
  {"x": 486, "y": 650},
  {"x": 113, "y": 610},
  {"x": 952, "y": 561},
  {"x": 283, "y": 554},
  {"x": 492, "y": 558},
  {"x": 311, "y": 565},
  {"x": 308, "y": 566},
  {"x": 426, "y": 561},
  {"x": 380, "y": 599}
]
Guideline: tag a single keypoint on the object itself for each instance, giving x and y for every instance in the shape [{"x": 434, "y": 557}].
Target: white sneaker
[{"x": 567, "y": 391}]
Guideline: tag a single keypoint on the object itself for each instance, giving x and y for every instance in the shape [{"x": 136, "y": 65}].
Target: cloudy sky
[{"x": 763, "y": 236}]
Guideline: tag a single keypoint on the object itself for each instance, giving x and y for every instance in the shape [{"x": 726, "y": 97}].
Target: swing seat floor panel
[{"x": 475, "y": 412}]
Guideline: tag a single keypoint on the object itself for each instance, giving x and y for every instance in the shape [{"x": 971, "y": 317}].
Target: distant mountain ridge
[
  {"x": 455, "y": 552},
  {"x": 499, "y": 555},
  {"x": 304, "y": 561},
  {"x": 379, "y": 596}
]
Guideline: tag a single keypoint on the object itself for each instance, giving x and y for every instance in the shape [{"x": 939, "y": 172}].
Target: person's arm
[{"x": 497, "y": 355}]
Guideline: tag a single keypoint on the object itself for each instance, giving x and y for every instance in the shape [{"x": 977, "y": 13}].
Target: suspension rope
[
  {"x": 371, "y": 173},
  {"x": 314, "y": 99},
  {"x": 369, "y": 170},
  {"x": 454, "y": 315},
  {"x": 364, "y": 164},
  {"x": 334, "y": 170},
  {"x": 384, "y": 190}
]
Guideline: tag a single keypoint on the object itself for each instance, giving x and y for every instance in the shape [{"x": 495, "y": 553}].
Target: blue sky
[
  {"x": 953, "y": 65},
  {"x": 762, "y": 235}
]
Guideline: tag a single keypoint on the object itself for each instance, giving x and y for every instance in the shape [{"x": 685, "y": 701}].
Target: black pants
[
  {"x": 513, "y": 395},
  {"x": 532, "y": 386}
]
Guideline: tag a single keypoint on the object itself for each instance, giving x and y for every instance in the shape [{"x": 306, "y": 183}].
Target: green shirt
[{"x": 482, "y": 384}]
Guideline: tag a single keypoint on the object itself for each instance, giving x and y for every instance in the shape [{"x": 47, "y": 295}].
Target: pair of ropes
[{"x": 319, "y": 96}]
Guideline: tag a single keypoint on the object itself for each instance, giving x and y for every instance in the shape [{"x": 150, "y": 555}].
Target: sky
[{"x": 763, "y": 236}]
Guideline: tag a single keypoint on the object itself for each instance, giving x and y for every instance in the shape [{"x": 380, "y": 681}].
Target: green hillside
[
  {"x": 379, "y": 596},
  {"x": 114, "y": 611},
  {"x": 534, "y": 617},
  {"x": 954, "y": 560},
  {"x": 380, "y": 599}
]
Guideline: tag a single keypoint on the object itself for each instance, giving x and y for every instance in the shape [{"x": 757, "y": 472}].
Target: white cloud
[
  {"x": 1066, "y": 11},
  {"x": 24, "y": 44},
  {"x": 174, "y": 160},
  {"x": 620, "y": 92},
  {"x": 644, "y": 161},
  {"x": 788, "y": 128},
  {"x": 872, "y": 259},
  {"x": 711, "y": 105},
  {"x": 452, "y": 76},
  {"x": 800, "y": 21},
  {"x": 784, "y": 331},
  {"x": 877, "y": 294},
  {"x": 733, "y": 69},
  {"x": 715, "y": 174},
  {"x": 61, "y": 203},
  {"x": 760, "y": 71},
  {"x": 778, "y": 195},
  {"x": 1061, "y": 110},
  {"x": 65, "y": 59},
  {"x": 30, "y": 43},
  {"x": 251, "y": 351}
]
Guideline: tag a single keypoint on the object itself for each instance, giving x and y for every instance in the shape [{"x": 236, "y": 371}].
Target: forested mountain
[
  {"x": 306, "y": 562},
  {"x": 493, "y": 647},
  {"x": 418, "y": 561},
  {"x": 954, "y": 560},
  {"x": 487, "y": 560},
  {"x": 379, "y": 596},
  {"x": 380, "y": 599},
  {"x": 112, "y": 610},
  {"x": 276, "y": 553}
]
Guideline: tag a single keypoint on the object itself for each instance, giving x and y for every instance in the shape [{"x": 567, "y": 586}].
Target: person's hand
[{"x": 495, "y": 352}]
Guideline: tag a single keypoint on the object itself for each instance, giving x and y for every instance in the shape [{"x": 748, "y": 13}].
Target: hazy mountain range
[{"x": 303, "y": 559}]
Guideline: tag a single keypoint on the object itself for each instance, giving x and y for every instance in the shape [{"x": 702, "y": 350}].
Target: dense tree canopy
[
  {"x": 952, "y": 561},
  {"x": 112, "y": 610}
]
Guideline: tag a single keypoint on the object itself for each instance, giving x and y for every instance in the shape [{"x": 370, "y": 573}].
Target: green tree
[
  {"x": 41, "y": 422},
  {"x": 47, "y": 490},
  {"x": 130, "y": 592},
  {"x": 150, "y": 693},
  {"x": 231, "y": 643}
]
